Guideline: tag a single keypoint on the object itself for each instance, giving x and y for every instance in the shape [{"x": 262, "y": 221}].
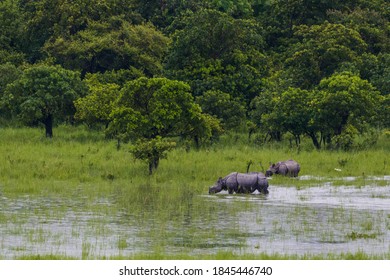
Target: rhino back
[
  {"x": 247, "y": 179},
  {"x": 231, "y": 180},
  {"x": 293, "y": 167}
]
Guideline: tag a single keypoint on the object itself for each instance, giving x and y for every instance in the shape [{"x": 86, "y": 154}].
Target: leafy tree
[
  {"x": 346, "y": 103},
  {"x": 214, "y": 51},
  {"x": 291, "y": 13},
  {"x": 295, "y": 113},
  {"x": 281, "y": 17},
  {"x": 97, "y": 105},
  {"x": 43, "y": 93},
  {"x": 321, "y": 50},
  {"x": 152, "y": 151},
  {"x": 376, "y": 69},
  {"x": 149, "y": 111},
  {"x": 371, "y": 23},
  {"x": 8, "y": 74},
  {"x": 237, "y": 9},
  {"x": 47, "y": 20},
  {"x": 111, "y": 45},
  {"x": 229, "y": 110},
  {"x": 263, "y": 108},
  {"x": 10, "y": 33},
  {"x": 342, "y": 106}
]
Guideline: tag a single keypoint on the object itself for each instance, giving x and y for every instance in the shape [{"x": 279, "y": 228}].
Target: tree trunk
[
  {"x": 49, "y": 126},
  {"x": 315, "y": 140},
  {"x": 153, "y": 164}
]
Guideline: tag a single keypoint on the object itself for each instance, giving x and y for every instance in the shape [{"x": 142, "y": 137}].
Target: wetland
[{"x": 80, "y": 199}]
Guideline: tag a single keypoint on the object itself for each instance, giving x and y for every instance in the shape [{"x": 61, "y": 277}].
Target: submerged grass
[
  {"x": 223, "y": 255},
  {"x": 80, "y": 168},
  {"x": 80, "y": 157}
]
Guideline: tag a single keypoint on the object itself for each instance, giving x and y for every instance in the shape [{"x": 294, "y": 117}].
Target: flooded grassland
[
  {"x": 78, "y": 197},
  {"x": 315, "y": 220}
]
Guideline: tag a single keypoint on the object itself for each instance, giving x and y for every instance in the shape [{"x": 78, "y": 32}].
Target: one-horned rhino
[
  {"x": 241, "y": 183},
  {"x": 287, "y": 168}
]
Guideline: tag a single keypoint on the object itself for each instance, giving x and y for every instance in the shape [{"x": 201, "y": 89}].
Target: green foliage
[
  {"x": 8, "y": 74},
  {"x": 151, "y": 109},
  {"x": 347, "y": 100},
  {"x": 214, "y": 51},
  {"x": 112, "y": 45},
  {"x": 343, "y": 106},
  {"x": 259, "y": 57},
  {"x": 229, "y": 110},
  {"x": 369, "y": 22},
  {"x": 47, "y": 20},
  {"x": 97, "y": 106},
  {"x": 43, "y": 92},
  {"x": 320, "y": 51},
  {"x": 151, "y": 151},
  {"x": 11, "y": 23},
  {"x": 147, "y": 108}
]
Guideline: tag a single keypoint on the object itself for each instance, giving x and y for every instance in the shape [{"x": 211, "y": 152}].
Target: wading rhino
[
  {"x": 287, "y": 168},
  {"x": 241, "y": 183}
]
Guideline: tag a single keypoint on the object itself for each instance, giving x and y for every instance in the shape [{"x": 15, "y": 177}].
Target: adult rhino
[
  {"x": 287, "y": 168},
  {"x": 241, "y": 183}
]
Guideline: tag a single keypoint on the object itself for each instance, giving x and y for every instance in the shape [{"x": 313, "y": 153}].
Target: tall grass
[
  {"x": 80, "y": 167},
  {"x": 80, "y": 157}
]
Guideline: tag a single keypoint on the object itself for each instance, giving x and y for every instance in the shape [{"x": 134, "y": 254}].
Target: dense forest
[{"x": 147, "y": 71}]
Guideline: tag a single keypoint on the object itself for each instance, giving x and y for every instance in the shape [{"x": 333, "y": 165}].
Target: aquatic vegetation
[{"x": 77, "y": 197}]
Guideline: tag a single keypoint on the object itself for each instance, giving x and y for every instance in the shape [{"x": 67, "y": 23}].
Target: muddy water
[{"x": 323, "y": 219}]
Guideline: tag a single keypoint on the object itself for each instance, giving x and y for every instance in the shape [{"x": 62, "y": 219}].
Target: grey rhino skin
[
  {"x": 287, "y": 168},
  {"x": 241, "y": 183}
]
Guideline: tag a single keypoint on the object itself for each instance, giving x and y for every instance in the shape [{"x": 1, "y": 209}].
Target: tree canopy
[
  {"x": 43, "y": 93},
  {"x": 193, "y": 69}
]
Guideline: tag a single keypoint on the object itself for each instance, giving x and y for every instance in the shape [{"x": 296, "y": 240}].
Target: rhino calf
[
  {"x": 241, "y": 183},
  {"x": 287, "y": 168}
]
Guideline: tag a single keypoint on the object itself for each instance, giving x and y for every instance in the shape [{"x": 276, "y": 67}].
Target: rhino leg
[
  {"x": 298, "y": 168},
  {"x": 262, "y": 186}
]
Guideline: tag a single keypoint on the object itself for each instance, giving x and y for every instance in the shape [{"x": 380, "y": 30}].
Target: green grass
[
  {"x": 77, "y": 156},
  {"x": 79, "y": 167},
  {"x": 224, "y": 255}
]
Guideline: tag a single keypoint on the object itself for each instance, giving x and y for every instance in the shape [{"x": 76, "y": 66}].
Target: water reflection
[{"x": 313, "y": 220}]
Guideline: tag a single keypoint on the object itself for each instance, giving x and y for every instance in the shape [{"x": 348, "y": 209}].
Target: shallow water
[{"x": 323, "y": 219}]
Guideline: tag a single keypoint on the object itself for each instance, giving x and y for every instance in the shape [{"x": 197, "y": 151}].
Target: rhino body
[
  {"x": 287, "y": 168},
  {"x": 241, "y": 183}
]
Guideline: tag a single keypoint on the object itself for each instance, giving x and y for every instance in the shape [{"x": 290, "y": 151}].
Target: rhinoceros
[
  {"x": 241, "y": 183},
  {"x": 287, "y": 168}
]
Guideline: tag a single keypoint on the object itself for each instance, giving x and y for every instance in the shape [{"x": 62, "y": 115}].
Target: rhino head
[
  {"x": 219, "y": 186},
  {"x": 273, "y": 169}
]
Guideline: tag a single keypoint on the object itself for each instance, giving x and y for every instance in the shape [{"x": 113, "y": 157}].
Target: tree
[
  {"x": 113, "y": 45},
  {"x": 152, "y": 151},
  {"x": 346, "y": 103},
  {"x": 370, "y": 22},
  {"x": 320, "y": 51},
  {"x": 295, "y": 114},
  {"x": 97, "y": 105},
  {"x": 10, "y": 34},
  {"x": 47, "y": 20},
  {"x": 376, "y": 69},
  {"x": 214, "y": 51},
  {"x": 229, "y": 110},
  {"x": 42, "y": 93},
  {"x": 148, "y": 111}
]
